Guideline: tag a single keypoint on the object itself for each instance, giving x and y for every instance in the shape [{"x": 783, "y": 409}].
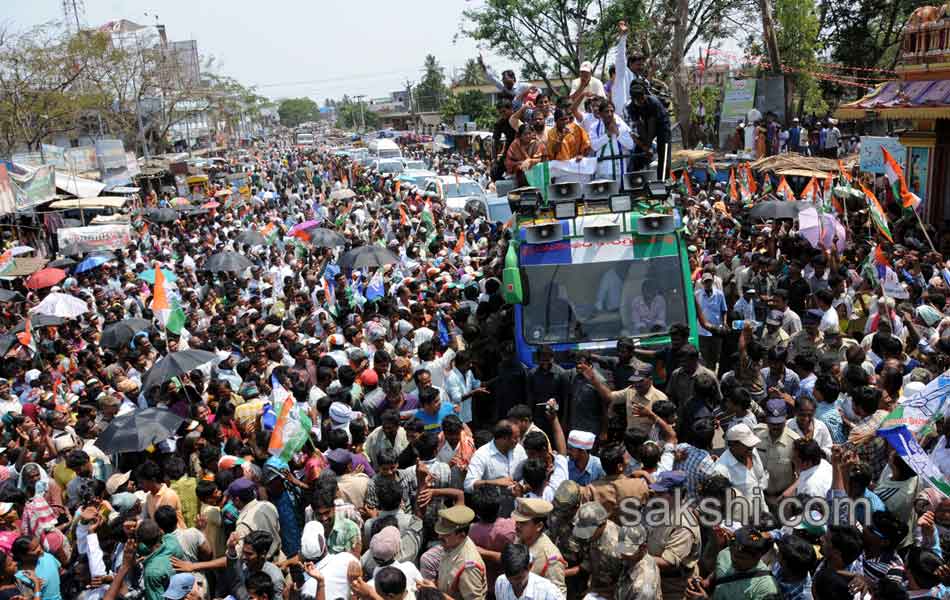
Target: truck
[
  {"x": 383, "y": 148},
  {"x": 303, "y": 139},
  {"x": 588, "y": 264}
]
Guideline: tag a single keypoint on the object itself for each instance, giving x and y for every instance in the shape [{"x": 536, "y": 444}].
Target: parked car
[{"x": 455, "y": 192}]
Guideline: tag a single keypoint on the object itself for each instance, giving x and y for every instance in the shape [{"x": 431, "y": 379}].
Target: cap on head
[
  {"x": 582, "y": 440},
  {"x": 527, "y": 509},
  {"x": 743, "y": 434},
  {"x": 454, "y": 518},
  {"x": 590, "y": 516},
  {"x": 776, "y": 411}
]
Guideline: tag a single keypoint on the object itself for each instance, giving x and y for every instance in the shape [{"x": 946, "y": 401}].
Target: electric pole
[
  {"x": 412, "y": 108},
  {"x": 359, "y": 100}
]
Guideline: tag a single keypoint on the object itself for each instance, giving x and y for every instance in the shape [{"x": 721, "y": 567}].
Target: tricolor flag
[
  {"x": 25, "y": 337},
  {"x": 375, "y": 289},
  {"x": 827, "y": 192},
  {"x": 711, "y": 167},
  {"x": 811, "y": 191},
  {"x": 270, "y": 232},
  {"x": 687, "y": 184},
  {"x": 894, "y": 174},
  {"x": 844, "y": 173},
  {"x": 916, "y": 417},
  {"x": 6, "y": 262},
  {"x": 292, "y": 427},
  {"x": 783, "y": 189},
  {"x": 877, "y": 213},
  {"x": 159, "y": 294}
]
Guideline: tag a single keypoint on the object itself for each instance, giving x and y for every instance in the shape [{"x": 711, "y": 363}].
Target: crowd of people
[{"x": 436, "y": 464}]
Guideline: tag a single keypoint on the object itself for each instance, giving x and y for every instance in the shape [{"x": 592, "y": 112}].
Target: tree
[
  {"x": 351, "y": 115},
  {"x": 472, "y": 103},
  {"x": 41, "y": 72},
  {"x": 431, "y": 91},
  {"x": 550, "y": 38},
  {"x": 796, "y": 30},
  {"x": 472, "y": 74},
  {"x": 294, "y": 111}
]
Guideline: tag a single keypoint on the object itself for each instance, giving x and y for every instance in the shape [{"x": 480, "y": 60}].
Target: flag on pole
[
  {"x": 175, "y": 321},
  {"x": 375, "y": 289},
  {"x": 159, "y": 294},
  {"x": 403, "y": 217},
  {"x": 270, "y": 233},
  {"x": 811, "y": 192},
  {"x": 877, "y": 213},
  {"x": 6, "y": 262},
  {"x": 785, "y": 190},
  {"x": 894, "y": 174},
  {"x": 916, "y": 417},
  {"x": 827, "y": 192},
  {"x": 25, "y": 337},
  {"x": 711, "y": 168},
  {"x": 750, "y": 179},
  {"x": 292, "y": 427},
  {"x": 844, "y": 173},
  {"x": 733, "y": 193}
]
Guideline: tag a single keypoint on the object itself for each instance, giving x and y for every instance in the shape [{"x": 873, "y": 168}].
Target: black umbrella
[
  {"x": 174, "y": 365},
  {"x": 325, "y": 238},
  {"x": 366, "y": 257},
  {"x": 227, "y": 261},
  {"x": 62, "y": 263},
  {"x": 119, "y": 334},
  {"x": 162, "y": 215},
  {"x": 10, "y": 296},
  {"x": 775, "y": 209},
  {"x": 6, "y": 342},
  {"x": 251, "y": 237},
  {"x": 137, "y": 430},
  {"x": 39, "y": 320},
  {"x": 193, "y": 211}
]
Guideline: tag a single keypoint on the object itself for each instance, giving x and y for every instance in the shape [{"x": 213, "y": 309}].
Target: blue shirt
[
  {"x": 829, "y": 415},
  {"x": 47, "y": 569},
  {"x": 713, "y": 306},
  {"x": 593, "y": 471},
  {"x": 290, "y": 531},
  {"x": 434, "y": 423}
]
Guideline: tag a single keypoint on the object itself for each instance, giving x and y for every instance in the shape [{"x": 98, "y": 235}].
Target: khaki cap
[
  {"x": 454, "y": 518},
  {"x": 528, "y": 509}
]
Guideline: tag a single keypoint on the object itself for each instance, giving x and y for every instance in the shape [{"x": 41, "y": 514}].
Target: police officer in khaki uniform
[
  {"x": 640, "y": 392},
  {"x": 461, "y": 571},
  {"x": 529, "y": 516},
  {"x": 615, "y": 488},
  {"x": 674, "y": 547},
  {"x": 603, "y": 560}
]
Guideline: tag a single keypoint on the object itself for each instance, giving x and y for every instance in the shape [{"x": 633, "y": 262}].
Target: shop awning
[
  {"x": 78, "y": 186},
  {"x": 901, "y": 100},
  {"x": 90, "y": 203}
]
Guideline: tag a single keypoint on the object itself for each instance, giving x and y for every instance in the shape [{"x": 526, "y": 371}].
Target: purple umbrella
[
  {"x": 303, "y": 226},
  {"x": 821, "y": 229}
]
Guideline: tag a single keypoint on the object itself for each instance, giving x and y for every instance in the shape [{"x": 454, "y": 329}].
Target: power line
[{"x": 331, "y": 79}]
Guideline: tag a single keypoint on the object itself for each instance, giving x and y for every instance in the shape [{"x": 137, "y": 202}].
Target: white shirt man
[
  {"x": 537, "y": 588},
  {"x": 815, "y": 481},
  {"x": 488, "y": 462}
]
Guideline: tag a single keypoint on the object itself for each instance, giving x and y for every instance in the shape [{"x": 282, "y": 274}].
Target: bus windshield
[{"x": 602, "y": 301}]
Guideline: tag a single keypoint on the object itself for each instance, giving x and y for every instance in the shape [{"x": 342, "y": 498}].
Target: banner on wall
[
  {"x": 79, "y": 240},
  {"x": 872, "y": 159},
  {"x": 35, "y": 187}
]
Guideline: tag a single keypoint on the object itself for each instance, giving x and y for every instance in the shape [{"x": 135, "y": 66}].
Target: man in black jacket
[{"x": 648, "y": 115}]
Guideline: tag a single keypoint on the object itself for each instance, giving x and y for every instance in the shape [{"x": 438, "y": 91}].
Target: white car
[
  {"x": 417, "y": 177},
  {"x": 456, "y": 192}
]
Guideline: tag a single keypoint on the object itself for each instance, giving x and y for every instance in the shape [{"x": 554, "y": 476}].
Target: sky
[{"x": 290, "y": 48}]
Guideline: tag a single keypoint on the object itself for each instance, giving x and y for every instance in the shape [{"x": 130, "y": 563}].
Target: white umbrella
[
  {"x": 18, "y": 250},
  {"x": 821, "y": 229},
  {"x": 61, "y": 305}
]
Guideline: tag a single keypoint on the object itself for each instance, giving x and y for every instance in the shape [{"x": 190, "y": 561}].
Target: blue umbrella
[
  {"x": 149, "y": 276},
  {"x": 91, "y": 263}
]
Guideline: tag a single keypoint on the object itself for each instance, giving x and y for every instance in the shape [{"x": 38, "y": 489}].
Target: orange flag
[
  {"x": 460, "y": 244},
  {"x": 828, "y": 188},
  {"x": 159, "y": 296},
  {"x": 687, "y": 182},
  {"x": 25, "y": 337},
  {"x": 750, "y": 179},
  {"x": 403, "y": 217},
  {"x": 783, "y": 188},
  {"x": 733, "y": 193}
]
